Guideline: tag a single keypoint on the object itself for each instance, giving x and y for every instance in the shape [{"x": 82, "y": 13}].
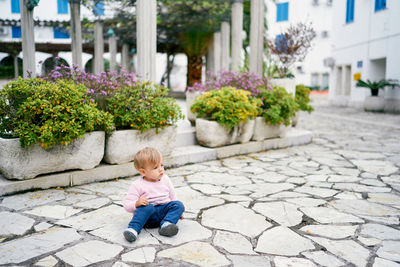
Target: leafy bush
[
  {"x": 302, "y": 98},
  {"x": 143, "y": 106},
  {"x": 38, "y": 111},
  {"x": 227, "y": 106},
  {"x": 245, "y": 81},
  {"x": 278, "y": 106}
]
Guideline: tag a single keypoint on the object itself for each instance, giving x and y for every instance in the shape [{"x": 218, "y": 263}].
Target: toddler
[{"x": 151, "y": 198}]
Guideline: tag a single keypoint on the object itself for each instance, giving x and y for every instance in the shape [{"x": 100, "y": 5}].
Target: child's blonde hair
[{"x": 146, "y": 156}]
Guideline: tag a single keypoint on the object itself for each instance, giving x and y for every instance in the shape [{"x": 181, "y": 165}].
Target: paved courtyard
[{"x": 334, "y": 202}]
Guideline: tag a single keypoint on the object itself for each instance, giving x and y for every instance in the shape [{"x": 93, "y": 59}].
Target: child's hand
[
  {"x": 182, "y": 217},
  {"x": 142, "y": 201}
]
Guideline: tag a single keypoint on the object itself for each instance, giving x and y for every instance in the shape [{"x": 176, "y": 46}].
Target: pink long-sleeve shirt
[{"x": 160, "y": 192}]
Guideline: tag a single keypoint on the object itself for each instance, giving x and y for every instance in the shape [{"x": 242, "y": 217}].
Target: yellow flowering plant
[
  {"x": 143, "y": 106},
  {"x": 38, "y": 111},
  {"x": 227, "y": 106}
]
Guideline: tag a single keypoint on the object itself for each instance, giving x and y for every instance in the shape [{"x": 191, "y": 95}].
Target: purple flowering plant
[{"x": 245, "y": 80}]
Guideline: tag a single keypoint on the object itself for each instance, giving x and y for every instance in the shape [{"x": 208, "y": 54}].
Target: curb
[{"x": 179, "y": 157}]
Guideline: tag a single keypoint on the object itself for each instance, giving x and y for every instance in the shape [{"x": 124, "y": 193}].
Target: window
[
  {"x": 62, "y": 6},
  {"x": 16, "y": 31},
  {"x": 281, "y": 43},
  {"x": 60, "y": 33},
  {"x": 15, "y": 7},
  {"x": 380, "y": 4},
  {"x": 99, "y": 8},
  {"x": 282, "y": 12},
  {"x": 350, "y": 11}
]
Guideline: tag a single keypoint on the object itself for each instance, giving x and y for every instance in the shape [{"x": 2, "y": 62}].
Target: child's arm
[
  {"x": 171, "y": 188},
  {"x": 131, "y": 199}
]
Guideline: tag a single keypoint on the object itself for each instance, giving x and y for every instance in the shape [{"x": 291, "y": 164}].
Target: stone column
[
  {"x": 16, "y": 71},
  {"x": 112, "y": 47},
  {"x": 210, "y": 58},
  {"x": 217, "y": 52},
  {"x": 225, "y": 45},
  {"x": 237, "y": 38},
  {"x": 256, "y": 36},
  {"x": 98, "y": 48},
  {"x": 28, "y": 39},
  {"x": 125, "y": 57},
  {"x": 146, "y": 22},
  {"x": 76, "y": 32}
]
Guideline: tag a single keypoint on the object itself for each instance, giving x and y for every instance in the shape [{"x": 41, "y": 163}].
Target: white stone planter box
[
  {"x": 26, "y": 163},
  {"x": 374, "y": 103},
  {"x": 263, "y": 130},
  {"x": 212, "y": 134},
  {"x": 288, "y": 83},
  {"x": 121, "y": 146},
  {"x": 190, "y": 97}
]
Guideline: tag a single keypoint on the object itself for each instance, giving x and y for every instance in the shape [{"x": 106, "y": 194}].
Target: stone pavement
[{"x": 334, "y": 202}]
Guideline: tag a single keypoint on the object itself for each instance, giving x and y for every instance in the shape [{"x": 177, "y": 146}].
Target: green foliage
[
  {"x": 376, "y": 86},
  {"x": 303, "y": 98},
  {"x": 39, "y": 111},
  {"x": 142, "y": 106},
  {"x": 227, "y": 106},
  {"x": 278, "y": 106}
]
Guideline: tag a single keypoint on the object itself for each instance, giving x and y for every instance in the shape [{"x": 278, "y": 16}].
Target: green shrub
[
  {"x": 38, "y": 111},
  {"x": 303, "y": 98},
  {"x": 142, "y": 106},
  {"x": 278, "y": 106},
  {"x": 227, "y": 106}
]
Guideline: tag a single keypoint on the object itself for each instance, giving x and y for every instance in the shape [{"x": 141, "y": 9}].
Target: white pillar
[
  {"x": 125, "y": 57},
  {"x": 237, "y": 28},
  {"x": 76, "y": 32},
  {"x": 146, "y": 22},
  {"x": 112, "y": 46},
  {"x": 256, "y": 36},
  {"x": 98, "y": 48},
  {"x": 225, "y": 45},
  {"x": 217, "y": 52},
  {"x": 16, "y": 70},
  {"x": 28, "y": 40}
]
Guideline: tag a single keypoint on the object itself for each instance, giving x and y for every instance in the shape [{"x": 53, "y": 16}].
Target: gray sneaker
[
  {"x": 169, "y": 229},
  {"x": 130, "y": 235}
]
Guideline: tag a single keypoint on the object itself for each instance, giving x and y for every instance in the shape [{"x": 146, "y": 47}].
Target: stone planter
[
  {"x": 121, "y": 146},
  {"x": 263, "y": 130},
  {"x": 26, "y": 163},
  {"x": 190, "y": 97},
  {"x": 374, "y": 103},
  {"x": 212, "y": 134},
  {"x": 288, "y": 83},
  {"x": 295, "y": 119}
]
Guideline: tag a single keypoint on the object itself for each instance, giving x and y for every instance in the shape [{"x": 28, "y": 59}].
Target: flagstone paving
[{"x": 334, "y": 202}]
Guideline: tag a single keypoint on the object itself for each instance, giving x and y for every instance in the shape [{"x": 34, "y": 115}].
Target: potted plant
[
  {"x": 225, "y": 116},
  {"x": 143, "y": 116},
  {"x": 288, "y": 48},
  {"x": 47, "y": 127},
  {"x": 375, "y": 102},
  {"x": 243, "y": 80},
  {"x": 302, "y": 98},
  {"x": 278, "y": 108}
]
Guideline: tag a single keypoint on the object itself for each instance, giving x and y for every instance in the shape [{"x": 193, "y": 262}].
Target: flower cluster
[{"x": 245, "y": 81}]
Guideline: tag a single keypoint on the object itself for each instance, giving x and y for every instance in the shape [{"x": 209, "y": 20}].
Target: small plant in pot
[
  {"x": 225, "y": 116},
  {"x": 374, "y": 102},
  {"x": 278, "y": 108},
  {"x": 41, "y": 124}
]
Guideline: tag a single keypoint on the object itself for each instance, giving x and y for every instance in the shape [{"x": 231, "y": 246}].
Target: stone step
[{"x": 182, "y": 155}]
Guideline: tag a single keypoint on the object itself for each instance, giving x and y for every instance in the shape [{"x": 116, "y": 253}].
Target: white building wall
[{"x": 319, "y": 15}]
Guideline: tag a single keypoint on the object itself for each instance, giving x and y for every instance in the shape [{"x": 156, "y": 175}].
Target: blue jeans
[{"x": 153, "y": 216}]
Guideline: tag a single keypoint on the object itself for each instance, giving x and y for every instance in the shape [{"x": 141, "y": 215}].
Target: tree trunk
[
  {"x": 374, "y": 92},
  {"x": 194, "y": 70}
]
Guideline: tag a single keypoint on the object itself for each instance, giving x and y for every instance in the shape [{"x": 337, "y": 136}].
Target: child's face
[{"x": 153, "y": 172}]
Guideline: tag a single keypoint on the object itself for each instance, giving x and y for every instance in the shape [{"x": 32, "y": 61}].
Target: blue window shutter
[
  {"x": 99, "y": 8},
  {"x": 282, "y": 12},
  {"x": 281, "y": 43},
  {"x": 380, "y": 4},
  {"x": 15, "y": 7},
  {"x": 350, "y": 11},
  {"x": 62, "y": 6},
  {"x": 16, "y": 31},
  {"x": 60, "y": 33}
]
